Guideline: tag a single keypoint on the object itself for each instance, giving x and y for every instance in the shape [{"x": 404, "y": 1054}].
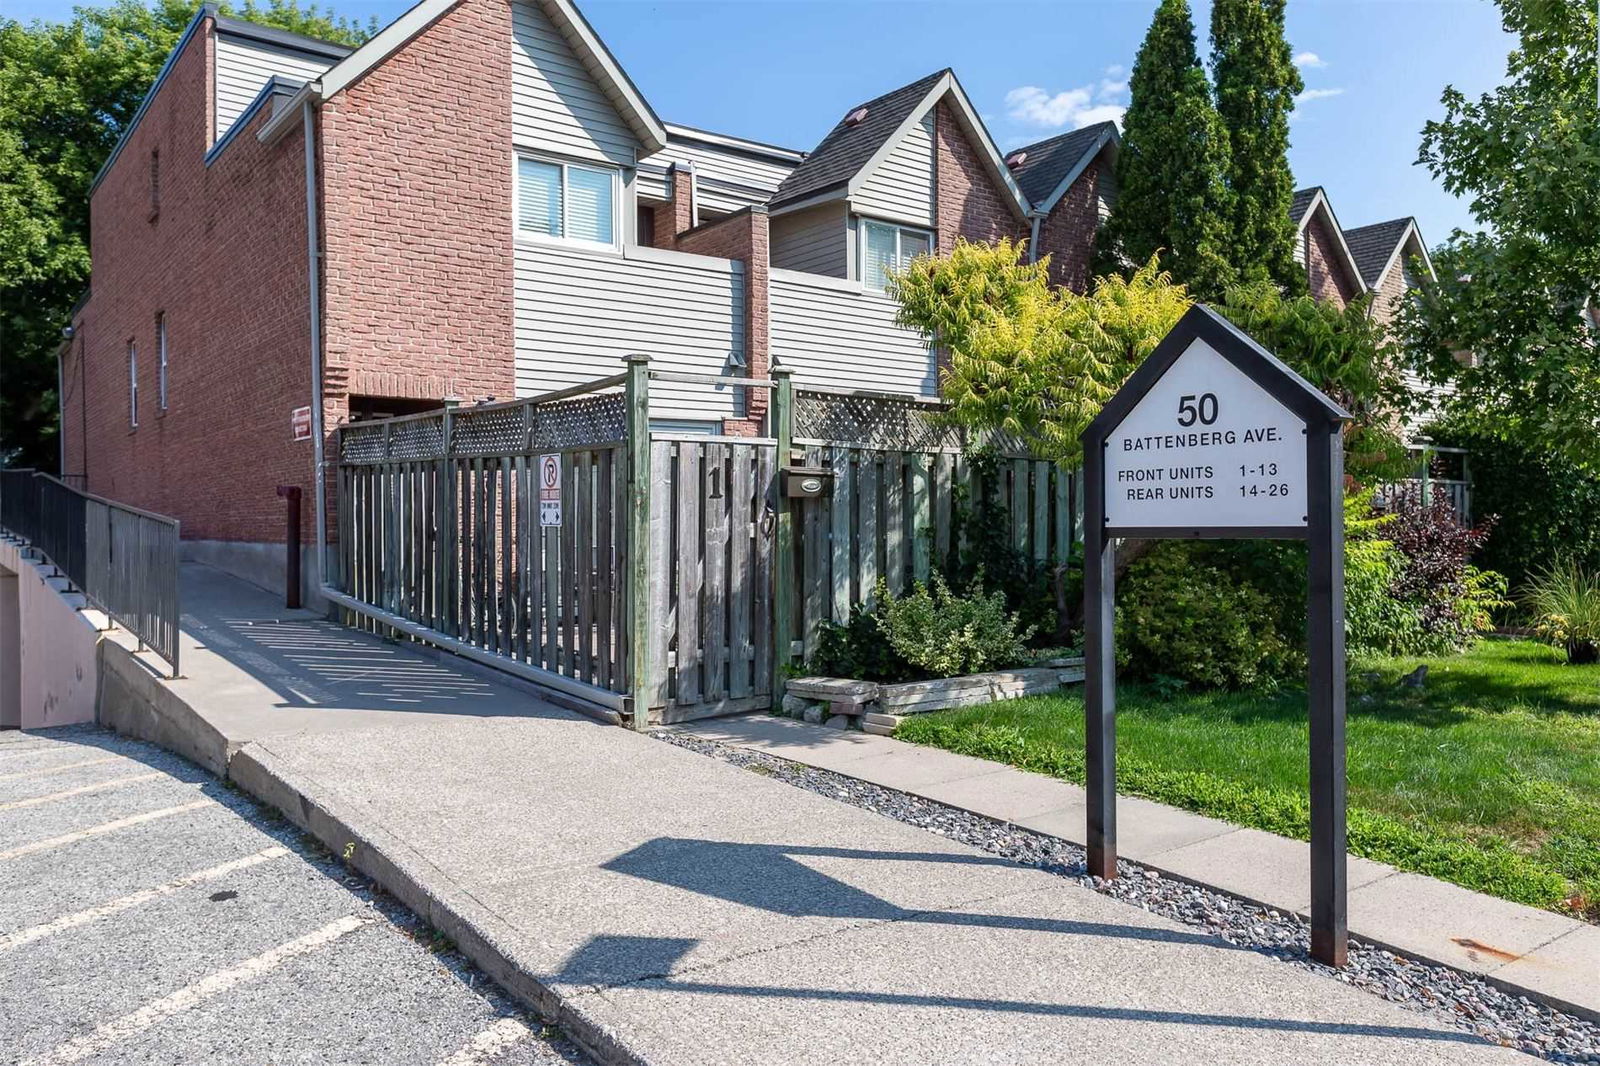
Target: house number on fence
[
  {"x": 549, "y": 490},
  {"x": 1214, "y": 437}
]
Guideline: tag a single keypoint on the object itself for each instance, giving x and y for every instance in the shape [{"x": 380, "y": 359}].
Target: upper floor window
[
  {"x": 133, "y": 386},
  {"x": 161, "y": 361},
  {"x": 565, "y": 200},
  {"x": 886, "y": 247}
]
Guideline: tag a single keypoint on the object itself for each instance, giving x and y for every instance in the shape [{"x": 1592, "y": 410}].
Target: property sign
[
  {"x": 1214, "y": 437},
  {"x": 1206, "y": 447},
  {"x": 549, "y": 490},
  {"x": 300, "y": 423}
]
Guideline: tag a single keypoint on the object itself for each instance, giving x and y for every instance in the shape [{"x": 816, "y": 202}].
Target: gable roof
[
  {"x": 1379, "y": 246},
  {"x": 847, "y": 149},
  {"x": 586, "y": 45},
  {"x": 1049, "y": 167},
  {"x": 1305, "y": 206},
  {"x": 848, "y": 155}
]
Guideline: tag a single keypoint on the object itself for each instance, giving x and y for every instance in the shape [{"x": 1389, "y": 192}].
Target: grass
[{"x": 1488, "y": 776}]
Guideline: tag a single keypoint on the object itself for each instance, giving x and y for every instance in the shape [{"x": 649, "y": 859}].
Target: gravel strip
[{"x": 1444, "y": 994}]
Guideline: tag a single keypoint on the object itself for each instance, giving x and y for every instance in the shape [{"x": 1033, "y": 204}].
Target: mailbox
[{"x": 807, "y": 481}]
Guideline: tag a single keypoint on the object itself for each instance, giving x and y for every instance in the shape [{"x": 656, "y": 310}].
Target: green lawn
[{"x": 1488, "y": 777}]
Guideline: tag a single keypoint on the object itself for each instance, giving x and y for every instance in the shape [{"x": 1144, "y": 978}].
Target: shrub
[
  {"x": 947, "y": 635},
  {"x": 1375, "y": 622},
  {"x": 1182, "y": 615},
  {"x": 982, "y": 555},
  {"x": 1452, "y": 599},
  {"x": 1565, "y": 601},
  {"x": 857, "y": 648}
]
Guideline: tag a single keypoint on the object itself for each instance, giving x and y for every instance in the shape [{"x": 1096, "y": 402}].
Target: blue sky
[{"x": 783, "y": 71}]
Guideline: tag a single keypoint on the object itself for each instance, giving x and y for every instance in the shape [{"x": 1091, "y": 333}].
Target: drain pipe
[
  {"x": 1033, "y": 241},
  {"x": 314, "y": 278}
]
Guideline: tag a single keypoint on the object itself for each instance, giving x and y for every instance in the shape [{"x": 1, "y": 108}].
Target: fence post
[
  {"x": 638, "y": 577},
  {"x": 783, "y": 577},
  {"x": 449, "y": 608}
]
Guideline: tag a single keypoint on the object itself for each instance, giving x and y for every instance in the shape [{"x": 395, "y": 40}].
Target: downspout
[
  {"x": 314, "y": 275},
  {"x": 61, "y": 409},
  {"x": 1033, "y": 241}
]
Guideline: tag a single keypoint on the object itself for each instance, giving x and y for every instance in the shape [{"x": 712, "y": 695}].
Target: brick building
[{"x": 478, "y": 203}]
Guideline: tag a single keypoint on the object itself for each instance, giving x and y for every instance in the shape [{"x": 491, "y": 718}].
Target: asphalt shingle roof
[
  {"x": 1373, "y": 245},
  {"x": 846, "y": 149},
  {"x": 1050, "y": 160},
  {"x": 1302, "y": 202}
]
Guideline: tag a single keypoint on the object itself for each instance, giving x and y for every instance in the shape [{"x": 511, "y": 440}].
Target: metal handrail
[{"x": 123, "y": 559}]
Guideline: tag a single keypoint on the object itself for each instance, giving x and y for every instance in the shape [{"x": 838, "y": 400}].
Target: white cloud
[
  {"x": 1309, "y": 61},
  {"x": 1076, "y": 108},
  {"x": 1317, "y": 94}
]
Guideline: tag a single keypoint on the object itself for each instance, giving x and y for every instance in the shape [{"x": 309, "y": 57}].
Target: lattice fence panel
[
  {"x": 415, "y": 439},
  {"x": 361, "y": 443},
  {"x": 584, "y": 420},
  {"x": 873, "y": 422},
  {"x": 496, "y": 430}
]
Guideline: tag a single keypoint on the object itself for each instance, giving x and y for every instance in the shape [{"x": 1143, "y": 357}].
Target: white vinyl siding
[
  {"x": 566, "y": 201},
  {"x": 728, "y": 180},
  {"x": 579, "y": 312},
  {"x": 834, "y": 337},
  {"x": 901, "y": 187},
  {"x": 815, "y": 240},
  {"x": 556, "y": 106},
  {"x": 885, "y": 248},
  {"x": 243, "y": 67}
]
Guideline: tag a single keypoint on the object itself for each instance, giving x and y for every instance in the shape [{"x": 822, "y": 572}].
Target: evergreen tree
[
  {"x": 1256, "y": 83},
  {"x": 1172, "y": 196}
]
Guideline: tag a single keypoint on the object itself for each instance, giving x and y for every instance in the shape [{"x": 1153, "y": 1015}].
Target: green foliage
[
  {"x": 1181, "y": 614},
  {"x": 1172, "y": 196},
  {"x": 1453, "y": 599},
  {"x": 1565, "y": 602},
  {"x": 1028, "y": 360},
  {"x": 67, "y": 91},
  {"x": 1256, "y": 84},
  {"x": 1527, "y": 155},
  {"x": 1484, "y": 777},
  {"x": 1346, "y": 354},
  {"x": 948, "y": 635},
  {"x": 981, "y": 552},
  {"x": 1375, "y": 622},
  {"x": 1546, "y": 508},
  {"x": 858, "y": 649}
]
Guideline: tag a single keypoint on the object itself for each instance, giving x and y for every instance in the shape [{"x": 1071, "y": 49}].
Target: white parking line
[
  {"x": 104, "y": 910},
  {"x": 483, "y": 1048},
  {"x": 57, "y": 769},
  {"x": 119, "y": 1029},
  {"x": 104, "y": 827},
  {"x": 98, "y": 786}
]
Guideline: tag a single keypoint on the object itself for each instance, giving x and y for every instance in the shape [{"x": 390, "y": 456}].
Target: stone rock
[
  {"x": 794, "y": 706},
  {"x": 813, "y": 714},
  {"x": 838, "y": 721}
]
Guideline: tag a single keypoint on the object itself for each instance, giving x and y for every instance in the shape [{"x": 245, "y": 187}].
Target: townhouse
[{"x": 478, "y": 202}]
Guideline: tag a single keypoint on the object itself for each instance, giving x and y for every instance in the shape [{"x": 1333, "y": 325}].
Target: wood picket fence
[{"x": 662, "y": 577}]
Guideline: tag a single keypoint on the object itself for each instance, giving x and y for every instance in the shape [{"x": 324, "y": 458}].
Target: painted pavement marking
[
  {"x": 105, "y": 910},
  {"x": 98, "y": 786},
  {"x": 114, "y": 1032},
  {"x": 490, "y": 1043},
  {"x": 104, "y": 827},
  {"x": 58, "y": 769}
]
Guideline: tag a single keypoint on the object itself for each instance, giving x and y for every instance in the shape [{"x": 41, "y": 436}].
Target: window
[
  {"x": 161, "y": 361},
  {"x": 567, "y": 201},
  {"x": 885, "y": 248},
  {"x": 133, "y": 386}
]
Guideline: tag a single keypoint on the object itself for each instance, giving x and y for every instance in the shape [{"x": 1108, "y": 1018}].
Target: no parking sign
[{"x": 549, "y": 490}]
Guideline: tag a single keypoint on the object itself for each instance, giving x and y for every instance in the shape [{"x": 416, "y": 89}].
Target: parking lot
[{"x": 149, "y": 914}]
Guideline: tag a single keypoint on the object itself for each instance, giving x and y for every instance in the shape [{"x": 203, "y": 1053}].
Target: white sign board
[
  {"x": 549, "y": 490},
  {"x": 300, "y": 423},
  {"x": 1206, "y": 448}
]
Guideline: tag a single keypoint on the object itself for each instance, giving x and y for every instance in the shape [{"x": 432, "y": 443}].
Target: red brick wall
[
  {"x": 1067, "y": 234},
  {"x": 676, "y": 214},
  {"x": 225, "y": 259},
  {"x": 743, "y": 236},
  {"x": 1326, "y": 268},
  {"x": 968, "y": 202},
  {"x": 418, "y": 271}
]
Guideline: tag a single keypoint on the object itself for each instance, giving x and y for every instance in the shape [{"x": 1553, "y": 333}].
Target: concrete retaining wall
[
  {"x": 262, "y": 564},
  {"x": 49, "y": 659}
]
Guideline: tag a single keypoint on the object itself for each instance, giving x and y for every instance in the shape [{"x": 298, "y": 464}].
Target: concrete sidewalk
[
  {"x": 1523, "y": 949},
  {"x": 665, "y": 907}
]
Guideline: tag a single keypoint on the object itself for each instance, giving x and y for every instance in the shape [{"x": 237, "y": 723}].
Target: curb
[{"x": 425, "y": 890}]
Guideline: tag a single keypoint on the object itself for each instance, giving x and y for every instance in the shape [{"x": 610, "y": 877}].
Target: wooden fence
[{"x": 660, "y": 576}]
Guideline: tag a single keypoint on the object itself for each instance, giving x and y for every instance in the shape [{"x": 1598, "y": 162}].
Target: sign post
[
  {"x": 549, "y": 490},
  {"x": 1213, "y": 437}
]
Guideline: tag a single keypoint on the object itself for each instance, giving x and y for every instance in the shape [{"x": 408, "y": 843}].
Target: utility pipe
[{"x": 314, "y": 279}]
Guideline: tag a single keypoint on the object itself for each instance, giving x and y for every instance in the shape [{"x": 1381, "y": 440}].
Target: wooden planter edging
[{"x": 875, "y": 708}]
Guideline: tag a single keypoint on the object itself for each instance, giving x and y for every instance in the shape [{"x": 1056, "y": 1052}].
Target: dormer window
[
  {"x": 886, "y": 247},
  {"x": 566, "y": 201}
]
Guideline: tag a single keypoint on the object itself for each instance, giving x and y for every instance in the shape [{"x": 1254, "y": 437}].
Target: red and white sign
[
  {"x": 549, "y": 490},
  {"x": 300, "y": 423}
]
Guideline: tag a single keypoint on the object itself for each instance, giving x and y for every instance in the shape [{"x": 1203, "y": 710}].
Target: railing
[
  {"x": 1428, "y": 485},
  {"x": 124, "y": 560}
]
